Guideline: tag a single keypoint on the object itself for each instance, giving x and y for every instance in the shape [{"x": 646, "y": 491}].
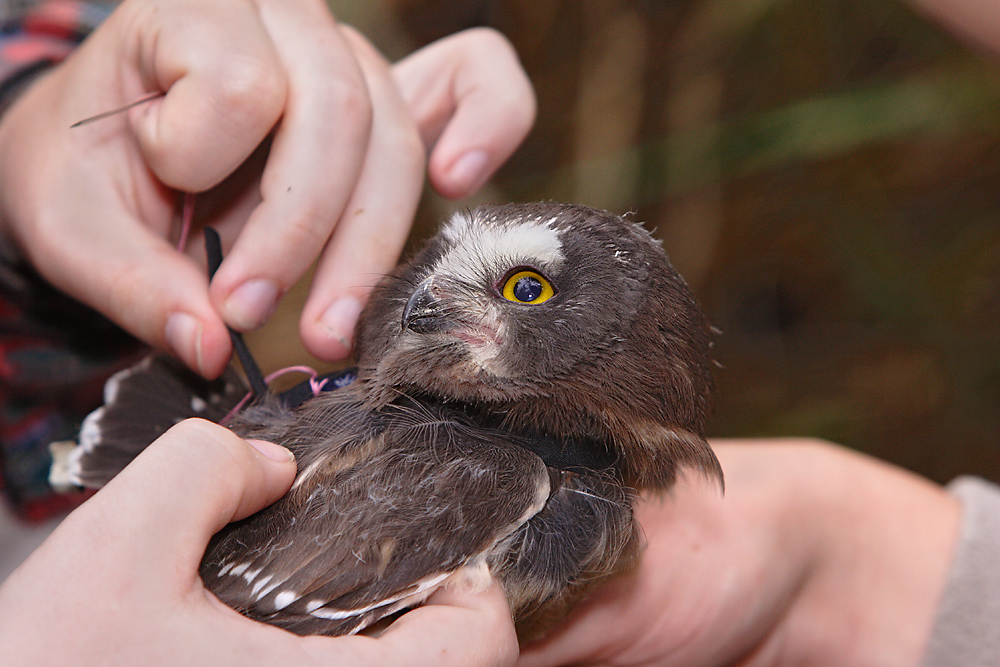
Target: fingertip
[
  {"x": 329, "y": 334},
  {"x": 203, "y": 346},
  {"x": 235, "y": 477},
  {"x": 272, "y": 451},
  {"x": 216, "y": 349},
  {"x": 477, "y": 121},
  {"x": 183, "y": 338},
  {"x": 464, "y": 175},
  {"x": 251, "y": 304}
]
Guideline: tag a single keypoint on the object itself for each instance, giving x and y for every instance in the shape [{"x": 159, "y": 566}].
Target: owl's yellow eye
[{"x": 527, "y": 286}]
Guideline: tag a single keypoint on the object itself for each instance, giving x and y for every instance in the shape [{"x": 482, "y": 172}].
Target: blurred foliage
[{"x": 825, "y": 174}]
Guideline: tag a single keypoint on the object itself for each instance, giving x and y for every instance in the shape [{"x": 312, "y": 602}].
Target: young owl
[{"x": 517, "y": 380}]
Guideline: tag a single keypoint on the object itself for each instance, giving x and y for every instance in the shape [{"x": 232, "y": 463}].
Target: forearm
[{"x": 883, "y": 545}]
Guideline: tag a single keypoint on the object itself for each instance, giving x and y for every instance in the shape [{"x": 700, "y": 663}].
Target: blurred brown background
[{"x": 825, "y": 173}]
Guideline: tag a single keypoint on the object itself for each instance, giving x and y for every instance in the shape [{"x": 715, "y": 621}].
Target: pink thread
[
  {"x": 187, "y": 216},
  {"x": 314, "y": 384}
]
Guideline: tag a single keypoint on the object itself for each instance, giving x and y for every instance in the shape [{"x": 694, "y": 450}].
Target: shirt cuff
[{"x": 966, "y": 630}]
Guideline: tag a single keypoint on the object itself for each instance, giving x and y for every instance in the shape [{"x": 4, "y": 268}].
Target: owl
[{"x": 517, "y": 381}]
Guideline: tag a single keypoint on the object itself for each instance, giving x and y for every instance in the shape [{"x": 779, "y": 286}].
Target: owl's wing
[
  {"x": 390, "y": 507},
  {"x": 140, "y": 404}
]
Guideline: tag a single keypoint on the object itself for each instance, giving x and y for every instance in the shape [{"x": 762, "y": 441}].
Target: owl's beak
[{"x": 422, "y": 313}]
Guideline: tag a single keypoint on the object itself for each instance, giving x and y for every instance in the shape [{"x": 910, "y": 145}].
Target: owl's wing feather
[
  {"x": 584, "y": 534},
  {"x": 140, "y": 404},
  {"x": 378, "y": 518}
]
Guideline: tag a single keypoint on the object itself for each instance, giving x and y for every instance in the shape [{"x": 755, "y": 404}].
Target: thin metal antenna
[{"x": 100, "y": 116}]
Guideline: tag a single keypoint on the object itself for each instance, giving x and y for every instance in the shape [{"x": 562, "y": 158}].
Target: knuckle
[
  {"x": 489, "y": 41},
  {"x": 215, "y": 447},
  {"x": 350, "y": 101},
  {"x": 308, "y": 228},
  {"x": 252, "y": 86},
  {"x": 412, "y": 154}
]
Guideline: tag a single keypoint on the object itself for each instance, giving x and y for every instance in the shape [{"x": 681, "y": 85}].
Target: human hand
[
  {"x": 117, "y": 582},
  {"x": 814, "y": 556},
  {"x": 293, "y": 127}
]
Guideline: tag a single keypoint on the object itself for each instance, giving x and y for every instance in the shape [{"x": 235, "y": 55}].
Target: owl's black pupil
[{"x": 527, "y": 289}]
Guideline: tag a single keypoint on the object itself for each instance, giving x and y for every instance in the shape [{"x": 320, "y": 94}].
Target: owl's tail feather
[{"x": 140, "y": 404}]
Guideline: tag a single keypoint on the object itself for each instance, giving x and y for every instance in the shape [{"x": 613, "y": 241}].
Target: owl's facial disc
[
  {"x": 467, "y": 296},
  {"x": 440, "y": 306}
]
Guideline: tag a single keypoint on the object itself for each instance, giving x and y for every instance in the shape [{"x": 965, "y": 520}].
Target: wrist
[{"x": 881, "y": 546}]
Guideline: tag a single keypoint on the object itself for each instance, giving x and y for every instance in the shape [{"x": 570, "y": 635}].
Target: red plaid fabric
[{"x": 54, "y": 353}]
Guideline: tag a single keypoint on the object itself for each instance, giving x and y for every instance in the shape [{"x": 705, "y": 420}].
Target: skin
[
  {"x": 304, "y": 144},
  {"x": 117, "y": 582},
  {"x": 814, "y": 555}
]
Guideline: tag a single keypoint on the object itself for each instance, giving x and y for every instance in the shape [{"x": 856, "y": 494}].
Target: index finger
[{"x": 314, "y": 163}]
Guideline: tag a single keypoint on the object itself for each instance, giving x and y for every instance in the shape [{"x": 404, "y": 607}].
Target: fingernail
[
  {"x": 340, "y": 319},
  {"x": 183, "y": 337},
  {"x": 469, "y": 170},
  {"x": 250, "y": 304},
  {"x": 272, "y": 451}
]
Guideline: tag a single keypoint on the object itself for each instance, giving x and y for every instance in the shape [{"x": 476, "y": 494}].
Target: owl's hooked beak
[{"x": 423, "y": 313}]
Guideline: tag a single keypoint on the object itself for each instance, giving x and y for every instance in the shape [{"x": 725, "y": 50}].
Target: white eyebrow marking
[{"x": 519, "y": 240}]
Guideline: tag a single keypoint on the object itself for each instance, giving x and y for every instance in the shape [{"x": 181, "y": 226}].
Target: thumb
[{"x": 187, "y": 485}]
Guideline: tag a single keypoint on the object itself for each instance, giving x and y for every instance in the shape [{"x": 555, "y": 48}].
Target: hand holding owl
[
  {"x": 142, "y": 602},
  {"x": 815, "y": 556},
  {"x": 306, "y": 143}
]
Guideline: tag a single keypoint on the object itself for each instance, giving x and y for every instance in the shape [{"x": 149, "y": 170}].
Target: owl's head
[{"x": 557, "y": 318}]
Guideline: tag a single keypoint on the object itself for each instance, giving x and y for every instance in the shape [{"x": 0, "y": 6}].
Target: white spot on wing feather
[
  {"x": 261, "y": 583},
  {"x": 239, "y": 569},
  {"x": 284, "y": 598},
  {"x": 268, "y": 588},
  {"x": 90, "y": 432},
  {"x": 408, "y": 597}
]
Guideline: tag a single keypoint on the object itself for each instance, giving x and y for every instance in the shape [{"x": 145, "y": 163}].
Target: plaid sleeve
[
  {"x": 35, "y": 36},
  {"x": 54, "y": 353}
]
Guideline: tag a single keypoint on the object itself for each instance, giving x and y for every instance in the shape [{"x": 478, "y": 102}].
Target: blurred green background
[{"x": 825, "y": 173}]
